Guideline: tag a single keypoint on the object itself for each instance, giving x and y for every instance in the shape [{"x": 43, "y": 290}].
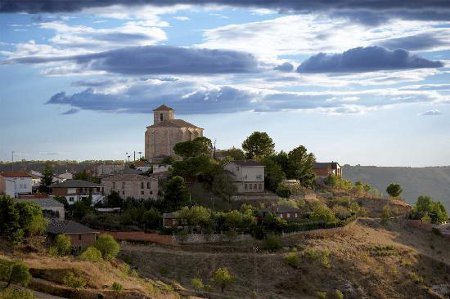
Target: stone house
[
  {"x": 324, "y": 169},
  {"x": 132, "y": 185},
  {"x": 282, "y": 211},
  {"x": 76, "y": 190},
  {"x": 166, "y": 131},
  {"x": 248, "y": 175},
  {"x": 80, "y": 235},
  {"x": 173, "y": 220},
  {"x": 15, "y": 183}
]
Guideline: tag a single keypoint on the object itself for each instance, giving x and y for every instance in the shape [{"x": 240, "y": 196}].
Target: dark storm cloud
[
  {"x": 414, "y": 42},
  {"x": 159, "y": 60},
  {"x": 365, "y": 11},
  {"x": 365, "y": 60}
]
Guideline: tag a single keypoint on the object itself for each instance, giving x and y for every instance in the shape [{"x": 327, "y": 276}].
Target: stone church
[{"x": 166, "y": 131}]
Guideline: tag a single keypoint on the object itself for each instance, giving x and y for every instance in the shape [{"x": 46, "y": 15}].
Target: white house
[
  {"x": 248, "y": 175},
  {"x": 15, "y": 183}
]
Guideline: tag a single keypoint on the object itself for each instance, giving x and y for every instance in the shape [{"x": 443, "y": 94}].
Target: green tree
[
  {"x": 273, "y": 174},
  {"x": 394, "y": 190},
  {"x": 152, "y": 218},
  {"x": 175, "y": 193},
  {"x": 282, "y": 159},
  {"x": 91, "y": 254},
  {"x": 61, "y": 246},
  {"x": 17, "y": 273},
  {"x": 300, "y": 166},
  {"x": 47, "y": 179},
  {"x": 234, "y": 153},
  {"x": 222, "y": 278},
  {"x": 258, "y": 145},
  {"x": 193, "y": 148},
  {"x": 197, "y": 283},
  {"x": 107, "y": 246},
  {"x": 223, "y": 186},
  {"x": 196, "y": 215},
  {"x": 31, "y": 219},
  {"x": 114, "y": 200},
  {"x": 10, "y": 218},
  {"x": 423, "y": 203},
  {"x": 322, "y": 213}
]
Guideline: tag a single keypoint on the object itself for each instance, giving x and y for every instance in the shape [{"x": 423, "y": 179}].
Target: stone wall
[{"x": 209, "y": 238}]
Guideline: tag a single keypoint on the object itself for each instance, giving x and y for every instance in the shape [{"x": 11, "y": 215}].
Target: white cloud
[
  {"x": 310, "y": 34},
  {"x": 181, "y": 18}
]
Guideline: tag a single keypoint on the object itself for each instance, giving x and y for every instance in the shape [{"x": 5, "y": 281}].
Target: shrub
[
  {"x": 197, "y": 284},
  {"x": 321, "y": 295},
  {"x": 322, "y": 256},
  {"x": 222, "y": 277},
  {"x": 91, "y": 254},
  {"x": 272, "y": 243},
  {"x": 117, "y": 287},
  {"x": 292, "y": 259},
  {"x": 16, "y": 294},
  {"x": 415, "y": 277},
  {"x": 61, "y": 246},
  {"x": 74, "y": 281},
  {"x": 14, "y": 272},
  {"x": 338, "y": 294},
  {"x": 321, "y": 213},
  {"x": 386, "y": 250},
  {"x": 107, "y": 246}
]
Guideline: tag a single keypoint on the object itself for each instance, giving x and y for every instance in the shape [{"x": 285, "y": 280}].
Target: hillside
[
  {"x": 432, "y": 181},
  {"x": 364, "y": 260}
]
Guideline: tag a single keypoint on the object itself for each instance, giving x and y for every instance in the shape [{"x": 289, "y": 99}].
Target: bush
[
  {"x": 74, "y": 281},
  {"x": 272, "y": 243},
  {"x": 197, "y": 284},
  {"x": 107, "y": 246},
  {"x": 61, "y": 246},
  {"x": 321, "y": 213},
  {"x": 91, "y": 254},
  {"x": 16, "y": 294},
  {"x": 322, "y": 256},
  {"x": 292, "y": 259},
  {"x": 338, "y": 294},
  {"x": 117, "y": 287},
  {"x": 222, "y": 277}
]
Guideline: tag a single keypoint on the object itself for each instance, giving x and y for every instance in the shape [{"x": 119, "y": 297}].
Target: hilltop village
[{"x": 175, "y": 213}]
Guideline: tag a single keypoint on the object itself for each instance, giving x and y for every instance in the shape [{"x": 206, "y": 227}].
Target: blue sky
[{"x": 357, "y": 83}]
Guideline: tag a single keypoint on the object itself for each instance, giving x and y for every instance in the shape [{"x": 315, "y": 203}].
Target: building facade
[
  {"x": 324, "y": 169},
  {"x": 76, "y": 190},
  {"x": 15, "y": 183},
  {"x": 248, "y": 175},
  {"x": 166, "y": 131},
  {"x": 132, "y": 185}
]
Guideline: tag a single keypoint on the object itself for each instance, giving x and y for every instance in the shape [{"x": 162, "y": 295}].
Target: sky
[{"x": 358, "y": 82}]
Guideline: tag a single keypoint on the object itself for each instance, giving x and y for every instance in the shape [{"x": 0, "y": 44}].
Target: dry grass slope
[{"x": 365, "y": 260}]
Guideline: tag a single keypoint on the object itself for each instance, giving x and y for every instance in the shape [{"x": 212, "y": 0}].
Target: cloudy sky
[{"x": 360, "y": 82}]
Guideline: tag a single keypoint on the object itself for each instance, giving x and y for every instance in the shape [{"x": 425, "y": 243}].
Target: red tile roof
[{"x": 15, "y": 174}]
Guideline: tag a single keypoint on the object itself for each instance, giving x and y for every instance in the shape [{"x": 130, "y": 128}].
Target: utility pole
[{"x": 12, "y": 160}]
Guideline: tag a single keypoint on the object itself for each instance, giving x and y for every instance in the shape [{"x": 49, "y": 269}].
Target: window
[
  {"x": 161, "y": 117},
  {"x": 123, "y": 192},
  {"x": 255, "y": 186},
  {"x": 250, "y": 185},
  {"x": 148, "y": 185},
  {"x": 142, "y": 192},
  {"x": 123, "y": 185},
  {"x": 79, "y": 237},
  {"x": 142, "y": 185},
  {"x": 259, "y": 177},
  {"x": 260, "y": 186},
  {"x": 71, "y": 199},
  {"x": 295, "y": 215},
  {"x": 245, "y": 186},
  {"x": 281, "y": 215},
  {"x": 288, "y": 215}
]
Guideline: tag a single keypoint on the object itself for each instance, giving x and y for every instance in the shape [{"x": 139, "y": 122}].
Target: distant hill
[{"x": 432, "y": 181}]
